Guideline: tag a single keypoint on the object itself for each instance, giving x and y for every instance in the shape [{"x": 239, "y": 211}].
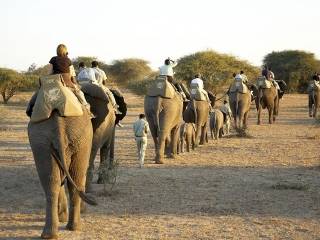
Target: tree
[
  {"x": 294, "y": 67},
  {"x": 130, "y": 69},
  {"x": 216, "y": 69},
  {"x": 10, "y": 82}
]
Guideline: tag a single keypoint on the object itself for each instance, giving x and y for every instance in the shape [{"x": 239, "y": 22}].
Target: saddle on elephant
[
  {"x": 263, "y": 82},
  {"x": 161, "y": 87},
  {"x": 55, "y": 95},
  {"x": 198, "y": 93},
  {"x": 313, "y": 85},
  {"x": 238, "y": 86}
]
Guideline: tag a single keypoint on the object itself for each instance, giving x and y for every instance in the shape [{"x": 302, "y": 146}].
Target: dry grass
[{"x": 259, "y": 187}]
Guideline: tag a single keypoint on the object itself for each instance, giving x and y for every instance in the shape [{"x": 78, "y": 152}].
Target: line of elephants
[{"x": 64, "y": 148}]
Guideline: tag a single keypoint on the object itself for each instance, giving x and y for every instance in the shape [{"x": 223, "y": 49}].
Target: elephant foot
[
  {"x": 83, "y": 207},
  {"x": 73, "y": 226},
  {"x": 46, "y": 234},
  {"x": 259, "y": 123},
  {"x": 158, "y": 161},
  {"x": 173, "y": 156},
  {"x": 63, "y": 217}
]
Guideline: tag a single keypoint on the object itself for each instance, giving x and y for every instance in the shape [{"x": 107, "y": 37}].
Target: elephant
[
  {"x": 103, "y": 131},
  {"x": 187, "y": 137},
  {"x": 216, "y": 124},
  {"x": 197, "y": 112},
  {"x": 61, "y": 148},
  {"x": 164, "y": 116},
  {"x": 314, "y": 101},
  {"x": 267, "y": 98},
  {"x": 240, "y": 106}
]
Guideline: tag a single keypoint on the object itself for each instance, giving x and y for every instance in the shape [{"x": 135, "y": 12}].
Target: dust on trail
[{"x": 264, "y": 187}]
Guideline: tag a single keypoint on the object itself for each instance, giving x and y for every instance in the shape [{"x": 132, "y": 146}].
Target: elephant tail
[
  {"x": 157, "y": 114},
  {"x": 195, "y": 111},
  {"x": 58, "y": 155},
  {"x": 237, "y": 104},
  {"x": 62, "y": 164}
]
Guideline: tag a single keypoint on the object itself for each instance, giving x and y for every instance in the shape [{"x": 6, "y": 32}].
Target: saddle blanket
[
  {"x": 53, "y": 95},
  {"x": 161, "y": 87},
  {"x": 262, "y": 82},
  {"x": 239, "y": 86},
  {"x": 197, "y": 93}
]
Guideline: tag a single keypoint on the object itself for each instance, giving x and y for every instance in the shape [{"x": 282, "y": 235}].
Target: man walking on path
[{"x": 141, "y": 129}]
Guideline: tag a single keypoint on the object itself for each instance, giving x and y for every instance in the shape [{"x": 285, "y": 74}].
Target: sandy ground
[{"x": 263, "y": 187}]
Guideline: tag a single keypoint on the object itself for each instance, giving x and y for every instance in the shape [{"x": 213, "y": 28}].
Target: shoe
[{"x": 119, "y": 124}]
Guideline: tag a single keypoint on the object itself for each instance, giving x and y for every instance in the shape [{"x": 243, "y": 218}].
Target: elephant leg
[
  {"x": 105, "y": 163},
  {"x": 220, "y": 132},
  {"x": 193, "y": 141},
  {"x": 90, "y": 170},
  {"x": 245, "y": 120},
  {"x": 270, "y": 110},
  {"x": 77, "y": 169},
  {"x": 182, "y": 144},
  {"x": 188, "y": 142},
  {"x": 161, "y": 148},
  {"x": 259, "y": 114},
  {"x": 49, "y": 175},
  {"x": 215, "y": 133},
  {"x": 62, "y": 205},
  {"x": 175, "y": 139},
  {"x": 275, "y": 109}
]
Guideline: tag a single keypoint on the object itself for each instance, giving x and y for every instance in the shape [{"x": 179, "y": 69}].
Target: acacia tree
[
  {"x": 294, "y": 67},
  {"x": 216, "y": 69},
  {"x": 128, "y": 70},
  {"x": 10, "y": 82}
]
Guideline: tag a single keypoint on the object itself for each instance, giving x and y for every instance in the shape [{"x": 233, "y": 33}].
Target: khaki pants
[{"x": 142, "y": 146}]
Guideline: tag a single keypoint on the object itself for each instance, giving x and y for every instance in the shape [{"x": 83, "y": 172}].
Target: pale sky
[{"x": 154, "y": 30}]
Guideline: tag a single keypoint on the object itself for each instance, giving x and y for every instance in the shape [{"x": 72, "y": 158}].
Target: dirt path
[{"x": 264, "y": 187}]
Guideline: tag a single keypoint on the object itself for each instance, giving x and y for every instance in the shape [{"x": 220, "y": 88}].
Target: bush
[
  {"x": 216, "y": 69},
  {"x": 10, "y": 82},
  {"x": 129, "y": 70},
  {"x": 294, "y": 67}
]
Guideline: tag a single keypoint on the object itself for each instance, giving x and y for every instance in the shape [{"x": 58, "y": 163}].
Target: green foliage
[
  {"x": 40, "y": 71},
  {"x": 140, "y": 87},
  {"x": 10, "y": 82},
  {"x": 294, "y": 67},
  {"x": 128, "y": 70},
  {"x": 216, "y": 69}
]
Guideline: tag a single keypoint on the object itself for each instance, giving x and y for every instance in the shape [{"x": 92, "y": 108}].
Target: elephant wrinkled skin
[
  {"x": 164, "y": 116},
  {"x": 61, "y": 145}
]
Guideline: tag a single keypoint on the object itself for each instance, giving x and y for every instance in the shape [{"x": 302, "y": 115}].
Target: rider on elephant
[
  {"x": 101, "y": 79},
  {"x": 198, "y": 82},
  {"x": 167, "y": 70}
]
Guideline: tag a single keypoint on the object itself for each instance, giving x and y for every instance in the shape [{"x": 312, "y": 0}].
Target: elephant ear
[{"x": 94, "y": 91}]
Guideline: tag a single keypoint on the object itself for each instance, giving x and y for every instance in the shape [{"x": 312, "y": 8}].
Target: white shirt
[
  {"x": 141, "y": 128},
  {"x": 197, "y": 81},
  {"x": 167, "y": 70},
  {"x": 271, "y": 74},
  {"x": 87, "y": 74},
  {"x": 100, "y": 75}
]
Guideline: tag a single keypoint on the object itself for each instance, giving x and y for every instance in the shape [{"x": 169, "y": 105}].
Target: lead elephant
[
  {"x": 61, "y": 148},
  {"x": 164, "y": 116}
]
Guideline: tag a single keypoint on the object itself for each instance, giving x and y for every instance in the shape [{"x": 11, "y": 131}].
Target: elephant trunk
[{"x": 58, "y": 155}]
